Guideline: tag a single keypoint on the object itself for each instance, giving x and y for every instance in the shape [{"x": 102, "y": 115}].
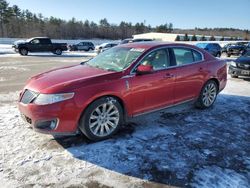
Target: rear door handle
[{"x": 168, "y": 76}]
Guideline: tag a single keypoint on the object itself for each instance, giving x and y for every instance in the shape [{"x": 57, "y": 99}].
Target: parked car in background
[
  {"x": 96, "y": 97},
  {"x": 105, "y": 46},
  {"x": 241, "y": 66},
  {"x": 39, "y": 44},
  {"x": 233, "y": 49},
  {"x": 125, "y": 41},
  {"x": 142, "y": 40},
  {"x": 212, "y": 48},
  {"x": 85, "y": 46}
]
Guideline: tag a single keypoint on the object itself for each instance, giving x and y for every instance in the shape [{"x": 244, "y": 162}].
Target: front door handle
[{"x": 168, "y": 76}]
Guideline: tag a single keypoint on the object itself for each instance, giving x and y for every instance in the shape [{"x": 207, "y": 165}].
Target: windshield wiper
[{"x": 109, "y": 69}]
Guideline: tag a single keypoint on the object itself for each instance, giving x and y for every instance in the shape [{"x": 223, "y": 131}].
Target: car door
[
  {"x": 34, "y": 45},
  {"x": 45, "y": 45},
  {"x": 153, "y": 90},
  {"x": 190, "y": 73},
  {"x": 80, "y": 46}
]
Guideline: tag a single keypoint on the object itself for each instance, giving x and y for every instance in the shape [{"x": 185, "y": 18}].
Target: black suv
[
  {"x": 212, "y": 48},
  {"x": 241, "y": 66},
  {"x": 233, "y": 49},
  {"x": 86, "y": 46}
]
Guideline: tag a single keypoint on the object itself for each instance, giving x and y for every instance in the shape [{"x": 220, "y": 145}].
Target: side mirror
[{"x": 144, "y": 69}]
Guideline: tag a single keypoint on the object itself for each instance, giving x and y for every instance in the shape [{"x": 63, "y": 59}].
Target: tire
[
  {"x": 228, "y": 54},
  {"x": 23, "y": 51},
  {"x": 101, "y": 119},
  {"x": 87, "y": 49},
  {"x": 207, "y": 95},
  {"x": 234, "y": 76},
  {"x": 58, "y": 52},
  {"x": 218, "y": 54}
]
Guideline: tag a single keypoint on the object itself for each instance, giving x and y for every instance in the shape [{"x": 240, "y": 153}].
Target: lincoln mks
[{"x": 96, "y": 97}]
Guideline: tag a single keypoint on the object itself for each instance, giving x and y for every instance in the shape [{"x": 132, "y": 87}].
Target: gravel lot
[{"x": 177, "y": 147}]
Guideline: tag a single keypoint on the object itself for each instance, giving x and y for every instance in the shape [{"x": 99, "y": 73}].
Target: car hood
[
  {"x": 67, "y": 79},
  {"x": 20, "y": 42},
  {"x": 243, "y": 59}
]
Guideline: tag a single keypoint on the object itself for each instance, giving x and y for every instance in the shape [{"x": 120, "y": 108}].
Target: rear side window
[
  {"x": 197, "y": 56},
  {"x": 185, "y": 56},
  {"x": 44, "y": 41}
]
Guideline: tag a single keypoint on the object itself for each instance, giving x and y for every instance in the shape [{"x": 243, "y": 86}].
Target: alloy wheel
[
  {"x": 104, "y": 119},
  {"x": 209, "y": 94}
]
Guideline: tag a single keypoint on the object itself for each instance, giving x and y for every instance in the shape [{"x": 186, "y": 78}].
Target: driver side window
[
  {"x": 35, "y": 41},
  {"x": 159, "y": 59}
]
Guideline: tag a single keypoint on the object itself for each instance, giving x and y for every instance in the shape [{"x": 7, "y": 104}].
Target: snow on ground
[{"x": 180, "y": 147}]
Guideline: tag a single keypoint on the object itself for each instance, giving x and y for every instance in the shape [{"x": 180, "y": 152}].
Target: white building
[{"x": 171, "y": 37}]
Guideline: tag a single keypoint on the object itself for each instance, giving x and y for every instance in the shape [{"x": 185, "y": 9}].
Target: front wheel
[
  {"x": 102, "y": 119},
  {"x": 208, "y": 95},
  {"x": 23, "y": 51}
]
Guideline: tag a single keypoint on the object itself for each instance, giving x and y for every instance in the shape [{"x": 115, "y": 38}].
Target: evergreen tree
[
  {"x": 212, "y": 38},
  {"x": 222, "y": 38},
  {"x": 194, "y": 38},
  {"x": 203, "y": 38},
  {"x": 177, "y": 38},
  {"x": 186, "y": 37}
]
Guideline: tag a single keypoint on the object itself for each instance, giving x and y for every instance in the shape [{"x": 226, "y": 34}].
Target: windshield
[
  {"x": 201, "y": 45},
  {"x": 116, "y": 59},
  {"x": 28, "y": 40}
]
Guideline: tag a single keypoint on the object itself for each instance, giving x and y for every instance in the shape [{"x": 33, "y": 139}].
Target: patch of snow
[
  {"x": 2, "y": 79},
  {"x": 10, "y": 68},
  {"x": 216, "y": 177}
]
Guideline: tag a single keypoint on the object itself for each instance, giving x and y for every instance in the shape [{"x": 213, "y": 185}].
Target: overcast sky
[{"x": 182, "y": 13}]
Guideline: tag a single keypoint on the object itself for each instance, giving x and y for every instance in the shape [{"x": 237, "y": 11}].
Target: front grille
[
  {"x": 28, "y": 96},
  {"x": 244, "y": 66}
]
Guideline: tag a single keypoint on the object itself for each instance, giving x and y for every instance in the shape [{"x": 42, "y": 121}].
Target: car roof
[{"x": 39, "y": 38}]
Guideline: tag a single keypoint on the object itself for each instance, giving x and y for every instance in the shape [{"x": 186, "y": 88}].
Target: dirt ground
[{"x": 181, "y": 146}]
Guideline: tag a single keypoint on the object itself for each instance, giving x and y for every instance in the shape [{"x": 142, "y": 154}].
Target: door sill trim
[{"x": 163, "y": 108}]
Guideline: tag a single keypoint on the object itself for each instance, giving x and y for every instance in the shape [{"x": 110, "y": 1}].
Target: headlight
[
  {"x": 44, "y": 99},
  {"x": 232, "y": 63}
]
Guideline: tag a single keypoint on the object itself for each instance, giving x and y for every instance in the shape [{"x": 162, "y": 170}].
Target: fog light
[
  {"x": 46, "y": 125},
  {"x": 53, "y": 124}
]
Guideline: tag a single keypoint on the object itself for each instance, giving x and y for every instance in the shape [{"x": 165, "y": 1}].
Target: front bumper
[
  {"x": 57, "y": 119},
  {"x": 236, "y": 71},
  {"x": 15, "y": 48}
]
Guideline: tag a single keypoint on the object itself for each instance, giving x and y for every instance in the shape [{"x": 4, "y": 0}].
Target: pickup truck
[{"x": 39, "y": 44}]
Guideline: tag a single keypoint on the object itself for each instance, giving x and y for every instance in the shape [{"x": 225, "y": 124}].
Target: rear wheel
[
  {"x": 208, "y": 95},
  {"x": 102, "y": 119},
  {"x": 58, "y": 52},
  {"x": 218, "y": 54},
  {"x": 23, "y": 51}
]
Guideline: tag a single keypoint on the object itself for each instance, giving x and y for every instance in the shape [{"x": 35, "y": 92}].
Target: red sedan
[{"x": 97, "y": 96}]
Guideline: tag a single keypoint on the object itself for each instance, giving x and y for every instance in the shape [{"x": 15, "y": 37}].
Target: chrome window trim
[{"x": 132, "y": 72}]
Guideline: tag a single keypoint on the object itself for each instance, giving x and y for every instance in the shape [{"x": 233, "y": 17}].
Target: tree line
[{"x": 17, "y": 23}]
